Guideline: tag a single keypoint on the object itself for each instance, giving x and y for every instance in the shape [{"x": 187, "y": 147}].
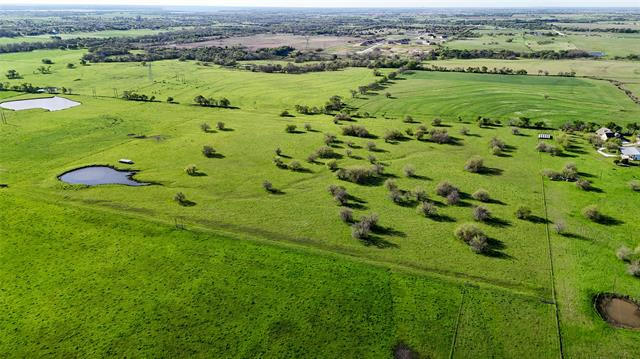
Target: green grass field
[
  {"x": 94, "y": 34},
  {"x": 105, "y": 271},
  {"x": 611, "y": 44}
]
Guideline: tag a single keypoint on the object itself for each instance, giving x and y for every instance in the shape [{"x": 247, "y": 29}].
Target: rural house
[
  {"x": 605, "y": 133},
  {"x": 632, "y": 153}
]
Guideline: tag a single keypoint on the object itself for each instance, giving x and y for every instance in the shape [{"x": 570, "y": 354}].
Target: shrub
[
  {"x": 409, "y": 132},
  {"x": 445, "y": 188},
  {"x": 634, "y": 269},
  {"x": 523, "y": 212},
  {"x": 377, "y": 169},
  {"x": 407, "y": 119},
  {"x": 439, "y": 136},
  {"x": 370, "y": 221},
  {"x": 341, "y": 197},
  {"x": 555, "y": 151},
  {"x": 474, "y": 165},
  {"x": 372, "y": 159},
  {"x": 453, "y": 198},
  {"x": 543, "y": 147},
  {"x": 436, "y": 122},
  {"x": 360, "y": 231},
  {"x": 342, "y": 117},
  {"x": 624, "y": 254},
  {"x": 481, "y": 213},
  {"x": 496, "y": 142},
  {"x": 371, "y": 146},
  {"x": 220, "y": 125},
  {"x": 355, "y": 174},
  {"x": 390, "y": 185},
  {"x": 290, "y": 128},
  {"x": 479, "y": 244},
  {"x": 583, "y": 184},
  {"x": 592, "y": 213},
  {"x": 560, "y": 227},
  {"x": 355, "y": 131},
  {"x": 205, "y": 127},
  {"x": 420, "y": 195},
  {"x": 295, "y": 166},
  {"x": 279, "y": 163},
  {"x": 325, "y": 152},
  {"x": 350, "y": 144},
  {"x": 392, "y": 135},
  {"x": 634, "y": 185},
  {"x": 409, "y": 171},
  {"x": 552, "y": 175},
  {"x": 481, "y": 195},
  {"x": 208, "y": 151},
  {"x": 333, "y": 189},
  {"x": 329, "y": 139},
  {"x": 515, "y": 131},
  {"x": 464, "y": 131},
  {"x": 419, "y": 134},
  {"x": 285, "y": 113},
  {"x": 312, "y": 158},
  {"x": 191, "y": 170},
  {"x": 268, "y": 186},
  {"x": 496, "y": 151},
  {"x": 467, "y": 231},
  {"x": 398, "y": 197},
  {"x": 349, "y": 153},
  {"x": 307, "y": 127},
  {"x": 278, "y": 152},
  {"x": 332, "y": 165},
  {"x": 180, "y": 198},
  {"x": 427, "y": 209},
  {"x": 570, "y": 172},
  {"x": 346, "y": 215}
]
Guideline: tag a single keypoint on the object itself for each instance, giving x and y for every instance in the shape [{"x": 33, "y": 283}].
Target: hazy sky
[{"x": 348, "y": 3}]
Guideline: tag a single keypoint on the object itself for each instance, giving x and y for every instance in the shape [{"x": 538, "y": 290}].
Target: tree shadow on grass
[
  {"x": 497, "y": 222},
  {"x": 495, "y": 201},
  {"x": 537, "y": 219},
  {"x": 421, "y": 177},
  {"x": 216, "y": 155},
  {"x": 609, "y": 221},
  {"x": 490, "y": 171},
  {"x": 387, "y": 231},
  {"x": 575, "y": 236},
  {"x": 495, "y": 249},
  {"x": 442, "y": 218},
  {"x": 378, "y": 242},
  {"x": 276, "y": 192},
  {"x": 187, "y": 203},
  {"x": 198, "y": 174}
]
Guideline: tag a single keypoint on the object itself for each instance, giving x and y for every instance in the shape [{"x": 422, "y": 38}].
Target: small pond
[
  {"x": 50, "y": 103},
  {"x": 97, "y": 175}
]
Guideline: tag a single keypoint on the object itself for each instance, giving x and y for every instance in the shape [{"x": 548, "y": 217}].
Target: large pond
[
  {"x": 97, "y": 175},
  {"x": 50, "y": 103}
]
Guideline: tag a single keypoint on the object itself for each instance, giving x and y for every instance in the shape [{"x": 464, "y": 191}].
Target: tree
[
  {"x": 523, "y": 212},
  {"x": 268, "y": 186},
  {"x": 481, "y": 213},
  {"x": 220, "y": 125},
  {"x": 474, "y": 165},
  {"x": 592, "y": 213},
  {"x": 290, "y": 128},
  {"x": 481, "y": 195},
  {"x": 208, "y": 151},
  {"x": 13, "y": 74},
  {"x": 427, "y": 209},
  {"x": 191, "y": 170},
  {"x": 71, "y": 66},
  {"x": 409, "y": 171}
]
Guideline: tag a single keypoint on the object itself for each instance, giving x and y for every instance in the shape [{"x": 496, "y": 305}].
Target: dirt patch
[
  {"x": 618, "y": 310},
  {"x": 276, "y": 40},
  {"x": 403, "y": 351}
]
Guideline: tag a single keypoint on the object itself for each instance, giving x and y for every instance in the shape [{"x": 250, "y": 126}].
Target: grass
[
  {"x": 611, "y": 44},
  {"x": 261, "y": 274},
  {"x": 93, "y": 34}
]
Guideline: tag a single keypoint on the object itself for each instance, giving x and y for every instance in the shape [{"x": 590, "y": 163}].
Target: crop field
[
  {"x": 242, "y": 272},
  {"x": 276, "y": 40}
]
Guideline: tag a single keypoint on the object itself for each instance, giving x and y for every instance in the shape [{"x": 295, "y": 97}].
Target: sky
[{"x": 345, "y": 3}]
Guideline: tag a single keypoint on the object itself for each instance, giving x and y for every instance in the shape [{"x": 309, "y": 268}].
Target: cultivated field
[{"x": 260, "y": 41}]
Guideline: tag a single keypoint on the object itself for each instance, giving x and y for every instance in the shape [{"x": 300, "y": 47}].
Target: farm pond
[
  {"x": 97, "y": 175},
  {"x": 50, "y": 103}
]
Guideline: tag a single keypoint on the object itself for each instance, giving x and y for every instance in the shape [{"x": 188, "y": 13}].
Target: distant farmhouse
[{"x": 631, "y": 153}]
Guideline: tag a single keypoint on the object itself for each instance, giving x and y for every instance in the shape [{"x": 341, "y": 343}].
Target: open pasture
[{"x": 242, "y": 246}]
